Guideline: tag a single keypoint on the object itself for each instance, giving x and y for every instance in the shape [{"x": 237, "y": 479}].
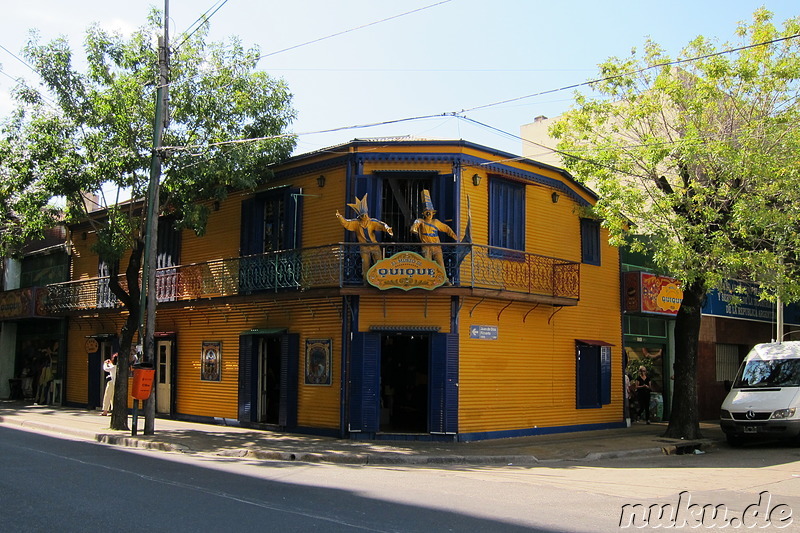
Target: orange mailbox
[{"x": 142, "y": 381}]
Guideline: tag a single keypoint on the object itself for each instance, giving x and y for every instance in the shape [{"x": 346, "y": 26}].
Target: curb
[{"x": 698, "y": 447}]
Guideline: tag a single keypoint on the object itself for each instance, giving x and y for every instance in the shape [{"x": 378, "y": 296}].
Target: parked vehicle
[{"x": 764, "y": 400}]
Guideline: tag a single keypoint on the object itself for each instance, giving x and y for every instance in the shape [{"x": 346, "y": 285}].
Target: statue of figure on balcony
[
  {"x": 427, "y": 229},
  {"x": 365, "y": 227}
]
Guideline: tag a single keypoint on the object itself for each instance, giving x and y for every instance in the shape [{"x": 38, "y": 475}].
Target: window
[
  {"x": 590, "y": 241},
  {"x": 168, "y": 255},
  {"x": 105, "y": 298},
  {"x": 274, "y": 224},
  {"x": 645, "y": 326},
  {"x": 270, "y": 241},
  {"x": 727, "y": 361},
  {"x": 506, "y": 214},
  {"x": 270, "y": 221}
]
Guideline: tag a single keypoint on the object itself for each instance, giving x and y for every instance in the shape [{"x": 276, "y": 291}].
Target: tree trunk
[
  {"x": 119, "y": 414},
  {"x": 684, "y": 421},
  {"x": 130, "y": 299}
]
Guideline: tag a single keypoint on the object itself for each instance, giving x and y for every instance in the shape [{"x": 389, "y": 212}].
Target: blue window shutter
[
  {"x": 590, "y": 241},
  {"x": 605, "y": 375},
  {"x": 506, "y": 214},
  {"x": 588, "y": 376},
  {"x": 443, "y": 417},
  {"x": 367, "y": 184},
  {"x": 444, "y": 198},
  {"x": 247, "y": 387},
  {"x": 252, "y": 227},
  {"x": 364, "y": 382},
  {"x": 287, "y": 410}
]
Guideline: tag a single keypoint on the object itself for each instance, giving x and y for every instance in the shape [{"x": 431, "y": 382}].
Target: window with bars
[
  {"x": 402, "y": 204},
  {"x": 728, "y": 361}
]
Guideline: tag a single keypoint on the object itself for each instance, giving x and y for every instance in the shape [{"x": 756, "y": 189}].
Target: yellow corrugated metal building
[{"x": 269, "y": 320}]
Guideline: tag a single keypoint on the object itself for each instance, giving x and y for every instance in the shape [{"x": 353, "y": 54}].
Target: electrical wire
[
  {"x": 353, "y": 29},
  {"x": 202, "y": 19},
  {"x": 637, "y": 71},
  {"x": 284, "y": 135},
  {"x": 15, "y": 56}
]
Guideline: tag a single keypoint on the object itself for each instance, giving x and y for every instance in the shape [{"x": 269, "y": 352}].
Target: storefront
[{"x": 651, "y": 304}]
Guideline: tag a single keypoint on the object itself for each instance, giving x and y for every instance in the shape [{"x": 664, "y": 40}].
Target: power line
[
  {"x": 202, "y": 19},
  {"x": 638, "y": 71},
  {"x": 353, "y": 29},
  {"x": 284, "y": 135},
  {"x": 15, "y": 56},
  {"x": 460, "y": 114}
]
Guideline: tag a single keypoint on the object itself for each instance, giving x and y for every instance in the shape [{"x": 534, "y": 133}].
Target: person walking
[
  {"x": 643, "y": 389},
  {"x": 110, "y": 366}
]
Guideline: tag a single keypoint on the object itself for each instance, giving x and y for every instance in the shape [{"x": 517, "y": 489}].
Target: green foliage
[
  {"x": 700, "y": 154},
  {"x": 94, "y": 129}
]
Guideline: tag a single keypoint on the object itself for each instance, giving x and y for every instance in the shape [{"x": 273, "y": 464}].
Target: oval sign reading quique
[{"x": 406, "y": 270}]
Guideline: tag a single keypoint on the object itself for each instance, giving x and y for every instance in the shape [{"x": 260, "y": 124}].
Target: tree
[
  {"x": 701, "y": 155},
  {"x": 97, "y": 133}
]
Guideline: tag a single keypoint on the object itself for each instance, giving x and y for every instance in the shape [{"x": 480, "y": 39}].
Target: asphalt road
[
  {"x": 49, "y": 483},
  {"x": 53, "y": 484}
]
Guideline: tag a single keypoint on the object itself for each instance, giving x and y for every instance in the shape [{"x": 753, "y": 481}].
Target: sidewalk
[{"x": 193, "y": 438}]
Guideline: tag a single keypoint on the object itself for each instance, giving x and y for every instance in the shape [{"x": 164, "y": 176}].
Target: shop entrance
[
  {"x": 269, "y": 380},
  {"x": 404, "y": 364},
  {"x": 164, "y": 377}
]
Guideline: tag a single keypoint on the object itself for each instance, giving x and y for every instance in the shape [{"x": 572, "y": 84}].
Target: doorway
[
  {"x": 404, "y": 378},
  {"x": 269, "y": 380},
  {"x": 164, "y": 377}
]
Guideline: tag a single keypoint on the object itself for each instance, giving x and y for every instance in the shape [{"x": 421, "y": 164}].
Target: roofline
[{"x": 345, "y": 148}]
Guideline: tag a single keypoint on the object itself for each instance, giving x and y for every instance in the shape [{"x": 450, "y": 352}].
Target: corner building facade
[{"x": 268, "y": 320}]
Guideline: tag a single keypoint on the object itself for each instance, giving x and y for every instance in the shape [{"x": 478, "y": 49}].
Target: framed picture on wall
[
  {"x": 211, "y": 361},
  {"x": 318, "y": 361}
]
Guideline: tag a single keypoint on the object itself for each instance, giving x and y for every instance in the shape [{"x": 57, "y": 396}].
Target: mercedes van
[{"x": 764, "y": 400}]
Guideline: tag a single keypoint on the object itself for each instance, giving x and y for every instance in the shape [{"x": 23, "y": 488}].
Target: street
[{"x": 74, "y": 485}]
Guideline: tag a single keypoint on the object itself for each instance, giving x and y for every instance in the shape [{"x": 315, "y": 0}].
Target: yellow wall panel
[
  {"x": 318, "y": 406},
  {"x": 392, "y": 308}
]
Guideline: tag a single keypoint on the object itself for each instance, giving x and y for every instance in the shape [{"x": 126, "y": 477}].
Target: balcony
[{"x": 475, "y": 269}]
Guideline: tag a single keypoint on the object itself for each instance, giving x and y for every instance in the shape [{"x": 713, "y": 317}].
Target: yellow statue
[
  {"x": 427, "y": 229},
  {"x": 365, "y": 227}
]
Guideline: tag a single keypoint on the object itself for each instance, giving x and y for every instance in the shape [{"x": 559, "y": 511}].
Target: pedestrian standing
[
  {"x": 110, "y": 366},
  {"x": 643, "y": 389}
]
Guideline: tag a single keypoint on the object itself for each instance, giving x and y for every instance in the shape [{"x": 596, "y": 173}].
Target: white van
[{"x": 764, "y": 400}]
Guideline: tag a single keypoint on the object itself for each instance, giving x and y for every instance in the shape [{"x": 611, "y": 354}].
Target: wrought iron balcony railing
[{"x": 337, "y": 265}]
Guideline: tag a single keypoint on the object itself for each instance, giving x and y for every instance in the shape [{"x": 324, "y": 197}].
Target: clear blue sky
[{"x": 454, "y": 56}]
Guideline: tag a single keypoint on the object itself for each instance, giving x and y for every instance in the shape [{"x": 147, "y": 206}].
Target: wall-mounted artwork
[
  {"x": 318, "y": 361},
  {"x": 211, "y": 359}
]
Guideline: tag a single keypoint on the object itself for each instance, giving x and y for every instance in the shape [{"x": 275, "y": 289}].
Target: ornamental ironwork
[{"x": 337, "y": 265}]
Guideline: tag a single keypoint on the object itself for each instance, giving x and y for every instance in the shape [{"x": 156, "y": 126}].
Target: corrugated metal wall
[
  {"x": 318, "y": 406},
  {"x": 523, "y": 379},
  {"x": 526, "y": 378},
  {"x": 393, "y": 308}
]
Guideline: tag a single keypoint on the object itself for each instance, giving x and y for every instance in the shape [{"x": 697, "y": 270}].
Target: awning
[
  {"x": 265, "y": 331},
  {"x": 592, "y": 342}
]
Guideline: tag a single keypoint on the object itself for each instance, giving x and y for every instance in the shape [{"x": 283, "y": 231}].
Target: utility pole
[{"x": 150, "y": 263}]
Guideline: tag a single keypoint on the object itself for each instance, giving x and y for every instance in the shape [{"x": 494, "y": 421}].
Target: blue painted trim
[
  {"x": 528, "y": 432},
  {"x": 382, "y": 151},
  {"x": 415, "y": 437}
]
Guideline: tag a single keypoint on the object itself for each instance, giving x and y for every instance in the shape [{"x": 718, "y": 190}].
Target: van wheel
[{"x": 734, "y": 440}]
